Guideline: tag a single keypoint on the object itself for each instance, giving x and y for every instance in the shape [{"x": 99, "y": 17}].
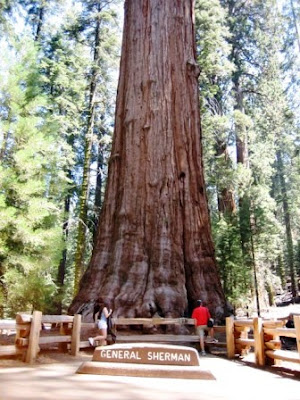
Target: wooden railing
[
  {"x": 31, "y": 332},
  {"x": 35, "y": 330},
  {"x": 8, "y": 326},
  {"x": 175, "y": 323},
  {"x": 273, "y": 352},
  {"x": 265, "y": 339}
]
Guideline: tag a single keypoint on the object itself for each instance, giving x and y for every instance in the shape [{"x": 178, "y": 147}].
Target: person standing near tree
[
  {"x": 202, "y": 315},
  {"x": 101, "y": 314}
]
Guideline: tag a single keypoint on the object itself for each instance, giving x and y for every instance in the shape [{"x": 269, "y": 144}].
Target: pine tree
[
  {"x": 30, "y": 202},
  {"x": 97, "y": 21},
  {"x": 216, "y": 69},
  {"x": 63, "y": 67}
]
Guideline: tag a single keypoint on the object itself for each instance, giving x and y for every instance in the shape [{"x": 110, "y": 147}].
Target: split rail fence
[{"x": 263, "y": 336}]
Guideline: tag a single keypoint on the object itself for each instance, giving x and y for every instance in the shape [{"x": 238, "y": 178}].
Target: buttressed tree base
[{"x": 154, "y": 250}]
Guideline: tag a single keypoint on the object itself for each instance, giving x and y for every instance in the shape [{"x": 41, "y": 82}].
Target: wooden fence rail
[
  {"x": 265, "y": 339},
  {"x": 31, "y": 332},
  {"x": 241, "y": 335},
  {"x": 167, "y": 337}
]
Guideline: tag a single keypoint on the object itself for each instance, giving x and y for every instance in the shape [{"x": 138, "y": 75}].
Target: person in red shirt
[{"x": 201, "y": 315}]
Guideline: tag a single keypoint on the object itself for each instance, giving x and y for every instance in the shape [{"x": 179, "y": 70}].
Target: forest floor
[{"x": 53, "y": 376}]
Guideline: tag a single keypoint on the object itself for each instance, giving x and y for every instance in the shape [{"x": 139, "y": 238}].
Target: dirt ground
[{"x": 53, "y": 376}]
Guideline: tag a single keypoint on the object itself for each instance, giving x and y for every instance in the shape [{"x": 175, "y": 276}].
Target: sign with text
[{"x": 145, "y": 353}]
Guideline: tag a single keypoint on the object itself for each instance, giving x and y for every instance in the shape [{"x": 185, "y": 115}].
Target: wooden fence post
[
  {"x": 34, "y": 336},
  {"x": 75, "y": 341},
  {"x": 259, "y": 345},
  {"x": 297, "y": 327},
  {"x": 63, "y": 330},
  {"x": 230, "y": 337},
  {"x": 23, "y": 324}
]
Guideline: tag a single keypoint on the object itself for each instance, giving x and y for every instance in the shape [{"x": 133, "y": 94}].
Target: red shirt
[{"x": 201, "y": 315}]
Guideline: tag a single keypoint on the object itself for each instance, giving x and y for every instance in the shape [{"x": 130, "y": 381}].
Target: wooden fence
[
  {"x": 241, "y": 335},
  {"x": 35, "y": 330},
  {"x": 150, "y": 324},
  {"x": 265, "y": 339}
]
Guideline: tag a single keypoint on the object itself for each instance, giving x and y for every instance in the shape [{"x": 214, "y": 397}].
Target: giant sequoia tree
[{"x": 154, "y": 250}]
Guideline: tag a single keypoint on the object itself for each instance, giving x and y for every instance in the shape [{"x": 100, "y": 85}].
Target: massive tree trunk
[{"x": 154, "y": 250}]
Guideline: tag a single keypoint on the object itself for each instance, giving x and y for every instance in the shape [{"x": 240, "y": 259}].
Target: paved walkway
[{"x": 233, "y": 381}]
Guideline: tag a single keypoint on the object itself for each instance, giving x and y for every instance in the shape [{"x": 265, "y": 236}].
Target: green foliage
[
  {"x": 96, "y": 20},
  {"x": 212, "y": 45},
  {"x": 31, "y": 240},
  {"x": 235, "y": 277},
  {"x": 5, "y": 10},
  {"x": 253, "y": 112},
  {"x": 33, "y": 290}
]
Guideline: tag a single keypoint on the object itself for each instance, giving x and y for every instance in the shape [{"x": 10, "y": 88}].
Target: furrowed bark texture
[{"x": 154, "y": 250}]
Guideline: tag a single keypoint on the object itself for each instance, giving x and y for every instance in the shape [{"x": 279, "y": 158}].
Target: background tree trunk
[
  {"x": 287, "y": 222},
  {"x": 226, "y": 203},
  {"x": 154, "y": 244},
  {"x": 85, "y": 186}
]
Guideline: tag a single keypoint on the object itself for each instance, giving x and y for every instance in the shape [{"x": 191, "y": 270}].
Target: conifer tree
[
  {"x": 213, "y": 56},
  {"x": 97, "y": 18},
  {"x": 64, "y": 67},
  {"x": 154, "y": 248},
  {"x": 29, "y": 201}
]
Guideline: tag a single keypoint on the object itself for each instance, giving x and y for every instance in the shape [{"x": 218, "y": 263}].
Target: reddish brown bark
[{"x": 154, "y": 244}]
